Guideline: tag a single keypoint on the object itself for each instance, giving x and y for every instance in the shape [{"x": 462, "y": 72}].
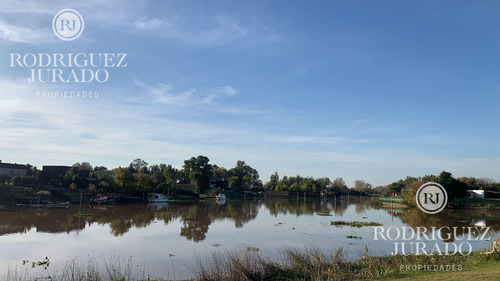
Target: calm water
[{"x": 150, "y": 234}]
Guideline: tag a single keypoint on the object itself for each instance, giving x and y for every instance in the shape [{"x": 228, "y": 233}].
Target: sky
[{"x": 371, "y": 90}]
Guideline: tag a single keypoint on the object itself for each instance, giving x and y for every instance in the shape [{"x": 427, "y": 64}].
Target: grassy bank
[
  {"x": 490, "y": 203},
  {"x": 314, "y": 264},
  {"x": 485, "y": 270},
  {"x": 457, "y": 203},
  {"x": 311, "y": 263}
]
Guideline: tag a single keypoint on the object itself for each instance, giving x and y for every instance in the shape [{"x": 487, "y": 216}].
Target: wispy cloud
[
  {"x": 20, "y": 34},
  {"x": 133, "y": 16},
  {"x": 301, "y": 68},
  {"x": 226, "y": 28},
  {"x": 151, "y": 24},
  {"x": 219, "y": 29},
  {"x": 305, "y": 139},
  {"x": 163, "y": 93}
]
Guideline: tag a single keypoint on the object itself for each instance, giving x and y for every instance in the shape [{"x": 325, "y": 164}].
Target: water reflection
[
  {"x": 195, "y": 219},
  {"x": 465, "y": 222}
]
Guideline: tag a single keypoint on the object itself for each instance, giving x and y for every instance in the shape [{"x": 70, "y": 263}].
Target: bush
[
  {"x": 59, "y": 194},
  {"x": 7, "y": 194},
  {"x": 187, "y": 192}
]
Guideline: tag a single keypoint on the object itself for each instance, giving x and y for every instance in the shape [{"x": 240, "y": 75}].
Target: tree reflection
[
  {"x": 196, "y": 218},
  {"x": 462, "y": 220},
  {"x": 195, "y": 223}
]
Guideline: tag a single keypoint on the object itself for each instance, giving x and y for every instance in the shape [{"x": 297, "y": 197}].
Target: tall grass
[
  {"x": 91, "y": 269},
  {"x": 315, "y": 264},
  {"x": 248, "y": 264}
]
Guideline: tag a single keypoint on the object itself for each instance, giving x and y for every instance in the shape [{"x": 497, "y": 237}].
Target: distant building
[
  {"x": 188, "y": 186},
  {"x": 476, "y": 193},
  {"x": 276, "y": 193},
  {"x": 53, "y": 172},
  {"x": 224, "y": 184},
  {"x": 101, "y": 173},
  {"x": 9, "y": 170}
]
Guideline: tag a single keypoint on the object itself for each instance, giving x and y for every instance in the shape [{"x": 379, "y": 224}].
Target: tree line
[{"x": 139, "y": 178}]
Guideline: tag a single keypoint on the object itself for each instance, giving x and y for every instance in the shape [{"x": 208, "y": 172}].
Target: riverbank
[
  {"x": 484, "y": 270},
  {"x": 459, "y": 203},
  {"x": 476, "y": 203},
  {"x": 314, "y": 264},
  {"x": 293, "y": 264}
]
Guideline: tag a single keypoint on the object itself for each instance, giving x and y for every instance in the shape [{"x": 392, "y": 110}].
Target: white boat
[
  {"x": 221, "y": 202},
  {"x": 221, "y": 197},
  {"x": 101, "y": 199},
  {"x": 158, "y": 198},
  {"x": 46, "y": 204},
  {"x": 158, "y": 206}
]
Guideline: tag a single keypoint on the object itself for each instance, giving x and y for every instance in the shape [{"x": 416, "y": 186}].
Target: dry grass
[{"x": 311, "y": 264}]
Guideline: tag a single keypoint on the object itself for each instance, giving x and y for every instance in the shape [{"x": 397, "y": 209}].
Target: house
[
  {"x": 9, "y": 170},
  {"x": 54, "y": 172},
  {"x": 276, "y": 193},
  {"x": 188, "y": 186},
  {"x": 219, "y": 183},
  {"x": 476, "y": 193}
]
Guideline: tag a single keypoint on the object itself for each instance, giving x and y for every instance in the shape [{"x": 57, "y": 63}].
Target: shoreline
[{"x": 308, "y": 263}]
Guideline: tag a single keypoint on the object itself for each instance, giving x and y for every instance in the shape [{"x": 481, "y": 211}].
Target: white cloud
[
  {"x": 132, "y": 16},
  {"x": 19, "y": 34},
  {"x": 27, "y": 6},
  {"x": 300, "y": 67},
  {"x": 112, "y": 132},
  {"x": 219, "y": 29},
  {"x": 163, "y": 93},
  {"x": 305, "y": 139},
  {"x": 147, "y": 24}
]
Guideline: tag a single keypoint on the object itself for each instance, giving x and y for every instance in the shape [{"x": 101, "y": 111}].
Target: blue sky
[{"x": 373, "y": 90}]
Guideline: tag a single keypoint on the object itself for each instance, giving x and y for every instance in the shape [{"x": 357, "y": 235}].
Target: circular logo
[
  {"x": 431, "y": 198},
  {"x": 68, "y": 24}
]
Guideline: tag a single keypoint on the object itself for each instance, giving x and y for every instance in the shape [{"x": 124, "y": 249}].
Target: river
[{"x": 163, "y": 240}]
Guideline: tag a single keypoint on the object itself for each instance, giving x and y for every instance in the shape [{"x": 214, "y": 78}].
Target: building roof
[
  {"x": 12, "y": 166},
  {"x": 55, "y": 171}
]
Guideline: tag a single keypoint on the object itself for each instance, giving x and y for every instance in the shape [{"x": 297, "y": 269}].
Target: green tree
[
  {"x": 125, "y": 180},
  {"x": 144, "y": 183},
  {"x": 308, "y": 185},
  {"x": 107, "y": 184},
  {"x": 43, "y": 178},
  {"x": 77, "y": 176},
  {"x": 171, "y": 175},
  {"x": 199, "y": 171},
  {"x": 32, "y": 170},
  {"x": 219, "y": 173},
  {"x": 243, "y": 177},
  {"x": 25, "y": 181},
  {"x": 394, "y": 187},
  {"x": 323, "y": 183},
  {"x": 157, "y": 176},
  {"x": 454, "y": 188},
  {"x": 139, "y": 165},
  {"x": 409, "y": 192},
  {"x": 339, "y": 186},
  {"x": 362, "y": 186},
  {"x": 273, "y": 182}
]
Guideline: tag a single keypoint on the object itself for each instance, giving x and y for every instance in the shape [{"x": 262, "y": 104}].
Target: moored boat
[
  {"x": 45, "y": 204},
  {"x": 101, "y": 199},
  {"x": 158, "y": 198},
  {"x": 221, "y": 197}
]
